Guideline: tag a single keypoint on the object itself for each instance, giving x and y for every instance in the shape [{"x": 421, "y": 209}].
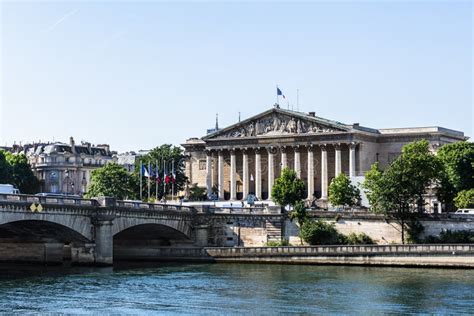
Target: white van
[
  {"x": 8, "y": 189},
  {"x": 465, "y": 211}
]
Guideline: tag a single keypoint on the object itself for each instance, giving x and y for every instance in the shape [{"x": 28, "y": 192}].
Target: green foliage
[
  {"x": 15, "y": 169},
  {"x": 358, "y": 239},
  {"x": 288, "y": 188},
  {"x": 451, "y": 237},
  {"x": 114, "y": 181},
  {"x": 321, "y": 233},
  {"x": 163, "y": 155},
  {"x": 299, "y": 213},
  {"x": 342, "y": 192},
  {"x": 465, "y": 199},
  {"x": 458, "y": 159},
  {"x": 282, "y": 243},
  {"x": 372, "y": 187},
  {"x": 197, "y": 193},
  {"x": 398, "y": 191}
]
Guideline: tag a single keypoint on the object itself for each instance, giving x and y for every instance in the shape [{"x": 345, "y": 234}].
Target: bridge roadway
[{"x": 89, "y": 231}]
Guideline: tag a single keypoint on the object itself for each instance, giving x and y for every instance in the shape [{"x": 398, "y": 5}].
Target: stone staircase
[{"x": 273, "y": 231}]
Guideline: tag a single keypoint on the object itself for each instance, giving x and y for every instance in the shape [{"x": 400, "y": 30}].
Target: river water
[{"x": 235, "y": 289}]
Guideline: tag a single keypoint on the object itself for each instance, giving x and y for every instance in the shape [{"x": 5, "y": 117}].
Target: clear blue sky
[{"x": 137, "y": 75}]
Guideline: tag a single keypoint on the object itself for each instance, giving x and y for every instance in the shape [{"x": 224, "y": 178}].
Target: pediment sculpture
[{"x": 276, "y": 124}]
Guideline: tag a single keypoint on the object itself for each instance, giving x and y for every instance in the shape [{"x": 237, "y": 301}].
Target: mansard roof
[{"x": 278, "y": 121}]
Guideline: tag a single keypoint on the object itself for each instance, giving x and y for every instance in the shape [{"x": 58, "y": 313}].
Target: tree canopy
[
  {"x": 457, "y": 174},
  {"x": 161, "y": 159},
  {"x": 15, "y": 169},
  {"x": 342, "y": 192},
  {"x": 398, "y": 191},
  {"x": 288, "y": 188},
  {"x": 114, "y": 181},
  {"x": 465, "y": 199}
]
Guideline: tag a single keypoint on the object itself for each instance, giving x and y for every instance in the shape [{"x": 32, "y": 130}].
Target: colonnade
[{"x": 271, "y": 155}]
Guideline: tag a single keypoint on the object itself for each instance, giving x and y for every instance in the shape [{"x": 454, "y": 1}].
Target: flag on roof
[
  {"x": 280, "y": 93},
  {"x": 145, "y": 171}
]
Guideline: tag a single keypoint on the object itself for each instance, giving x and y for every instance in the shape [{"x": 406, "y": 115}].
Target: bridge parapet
[{"x": 90, "y": 203}]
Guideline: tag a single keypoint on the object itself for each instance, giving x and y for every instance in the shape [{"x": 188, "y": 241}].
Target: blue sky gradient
[{"x": 137, "y": 75}]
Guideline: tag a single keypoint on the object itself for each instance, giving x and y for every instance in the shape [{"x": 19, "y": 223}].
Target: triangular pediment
[{"x": 279, "y": 122}]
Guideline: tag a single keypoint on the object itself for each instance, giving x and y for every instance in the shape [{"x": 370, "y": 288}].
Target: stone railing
[
  {"x": 60, "y": 200},
  {"x": 99, "y": 202},
  {"x": 341, "y": 250}
]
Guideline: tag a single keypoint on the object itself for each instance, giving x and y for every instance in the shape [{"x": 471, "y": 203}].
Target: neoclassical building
[{"x": 246, "y": 157}]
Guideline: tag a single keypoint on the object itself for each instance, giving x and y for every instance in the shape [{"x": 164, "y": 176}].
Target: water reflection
[{"x": 234, "y": 288}]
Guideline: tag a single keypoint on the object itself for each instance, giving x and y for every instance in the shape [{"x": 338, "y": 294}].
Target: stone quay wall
[{"x": 446, "y": 256}]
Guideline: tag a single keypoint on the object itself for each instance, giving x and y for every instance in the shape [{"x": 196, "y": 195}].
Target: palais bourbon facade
[{"x": 246, "y": 157}]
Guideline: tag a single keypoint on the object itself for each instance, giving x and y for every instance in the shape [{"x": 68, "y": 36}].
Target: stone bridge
[{"x": 95, "y": 231}]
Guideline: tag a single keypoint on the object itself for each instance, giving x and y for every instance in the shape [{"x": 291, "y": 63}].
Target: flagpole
[
  {"x": 277, "y": 96},
  {"x": 172, "y": 182},
  {"x": 141, "y": 180},
  {"x": 164, "y": 178},
  {"x": 149, "y": 176},
  {"x": 156, "y": 179}
]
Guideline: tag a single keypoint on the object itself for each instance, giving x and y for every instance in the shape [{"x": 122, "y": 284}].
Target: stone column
[
  {"x": 284, "y": 159},
  {"x": 245, "y": 171},
  {"x": 310, "y": 172},
  {"x": 104, "y": 241},
  {"x": 324, "y": 173},
  {"x": 233, "y": 172},
  {"x": 220, "y": 175},
  {"x": 209, "y": 173},
  {"x": 258, "y": 174},
  {"x": 352, "y": 158},
  {"x": 297, "y": 162},
  {"x": 338, "y": 162},
  {"x": 271, "y": 175}
]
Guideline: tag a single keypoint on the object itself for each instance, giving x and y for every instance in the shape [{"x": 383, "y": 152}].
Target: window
[{"x": 202, "y": 165}]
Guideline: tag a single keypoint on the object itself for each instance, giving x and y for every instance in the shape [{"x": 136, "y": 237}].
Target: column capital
[
  {"x": 352, "y": 145},
  {"x": 323, "y": 147},
  {"x": 337, "y": 146},
  {"x": 257, "y": 150},
  {"x": 296, "y": 148},
  {"x": 271, "y": 150},
  {"x": 310, "y": 147}
]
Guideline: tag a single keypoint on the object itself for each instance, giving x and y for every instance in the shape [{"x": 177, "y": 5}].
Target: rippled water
[{"x": 235, "y": 289}]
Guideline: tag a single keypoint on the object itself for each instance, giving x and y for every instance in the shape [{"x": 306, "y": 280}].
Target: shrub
[
  {"x": 320, "y": 233},
  {"x": 358, "y": 239},
  {"x": 282, "y": 243},
  {"x": 451, "y": 237}
]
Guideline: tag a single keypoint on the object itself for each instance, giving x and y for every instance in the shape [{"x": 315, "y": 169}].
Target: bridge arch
[
  {"x": 27, "y": 230},
  {"x": 81, "y": 225},
  {"x": 180, "y": 226}
]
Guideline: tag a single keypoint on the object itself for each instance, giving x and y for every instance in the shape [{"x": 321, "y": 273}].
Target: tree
[
  {"x": 288, "y": 188},
  {"x": 465, "y": 199},
  {"x": 114, "y": 181},
  {"x": 342, "y": 192},
  {"x": 22, "y": 176},
  {"x": 15, "y": 169},
  {"x": 161, "y": 158},
  {"x": 372, "y": 187},
  {"x": 458, "y": 170},
  {"x": 5, "y": 172},
  {"x": 398, "y": 191}
]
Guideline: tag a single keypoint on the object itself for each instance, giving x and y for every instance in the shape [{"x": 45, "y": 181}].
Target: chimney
[{"x": 312, "y": 114}]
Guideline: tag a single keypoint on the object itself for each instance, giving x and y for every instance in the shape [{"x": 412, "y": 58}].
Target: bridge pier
[{"x": 104, "y": 240}]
